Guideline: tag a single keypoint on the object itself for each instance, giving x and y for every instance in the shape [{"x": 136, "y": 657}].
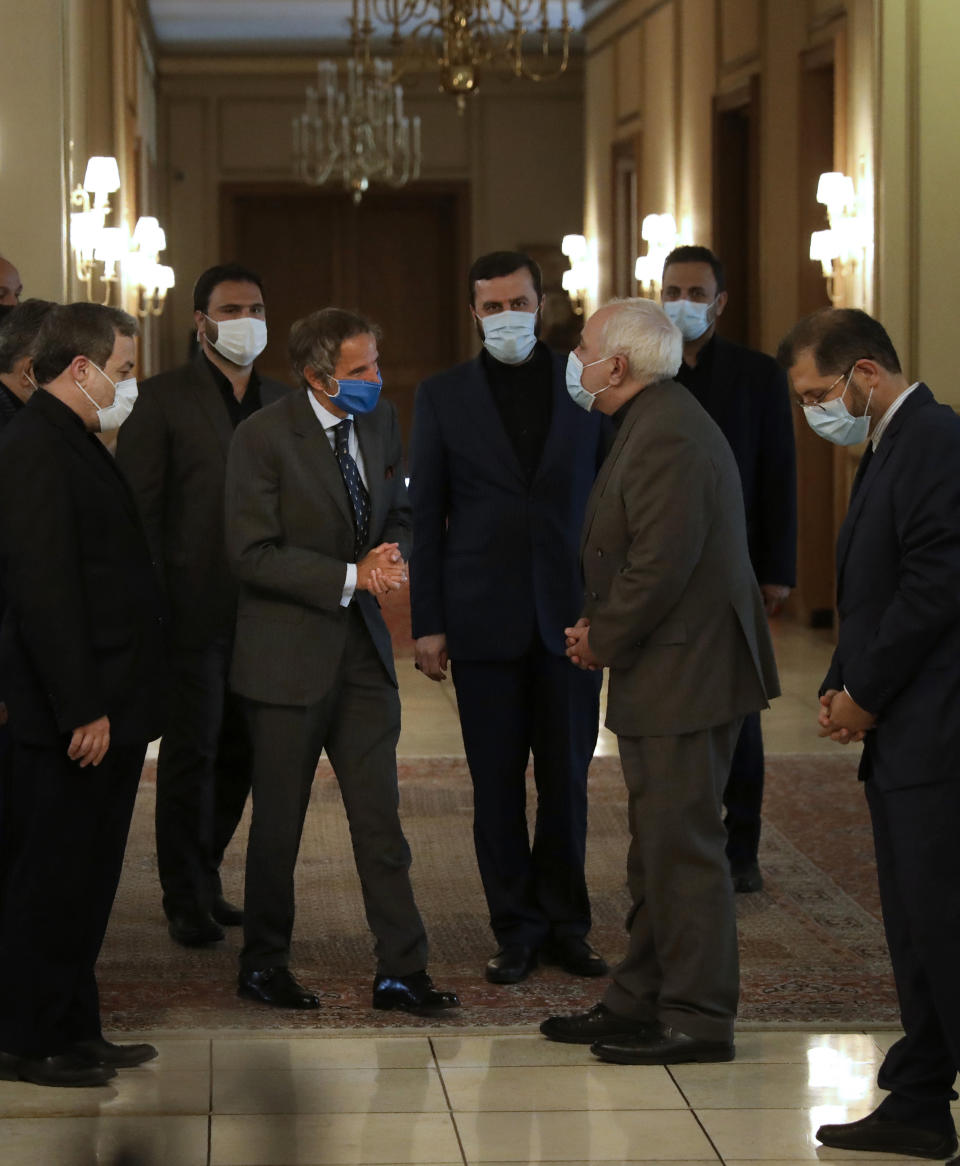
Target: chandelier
[
  {"x": 354, "y": 129},
  {"x": 459, "y": 38}
]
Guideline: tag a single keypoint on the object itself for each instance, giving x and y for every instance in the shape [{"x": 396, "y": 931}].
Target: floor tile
[
  {"x": 776, "y": 1135},
  {"x": 180, "y": 1055},
  {"x": 766, "y": 1047},
  {"x": 323, "y": 1053},
  {"x": 887, "y": 1160},
  {"x": 885, "y": 1040},
  {"x": 328, "y": 1091},
  {"x": 528, "y": 1049},
  {"x": 652, "y": 1136},
  {"x": 828, "y": 1079},
  {"x": 131, "y": 1091},
  {"x": 568, "y": 1087},
  {"x": 342, "y": 1138},
  {"x": 81, "y": 1141}
]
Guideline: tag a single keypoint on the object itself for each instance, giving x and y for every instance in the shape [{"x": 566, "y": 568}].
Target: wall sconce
[
  {"x": 840, "y": 248},
  {"x": 659, "y": 232},
  {"x": 577, "y": 278},
  {"x": 92, "y": 241}
]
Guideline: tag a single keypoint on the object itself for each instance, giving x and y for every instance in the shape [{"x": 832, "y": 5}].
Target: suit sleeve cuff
[{"x": 349, "y": 585}]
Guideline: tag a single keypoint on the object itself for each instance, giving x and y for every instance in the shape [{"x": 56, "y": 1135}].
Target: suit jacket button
[
  {"x": 599, "y": 553},
  {"x": 594, "y": 595}
]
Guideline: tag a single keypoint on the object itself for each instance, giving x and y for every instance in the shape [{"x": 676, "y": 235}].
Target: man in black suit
[
  {"x": 174, "y": 453},
  {"x": 502, "y": 464},
  {"x": 894, "y": 683},
  {"x": 81, "y": 645},
  {"x": 746, "y": 393},
  {"x": 317, "y": 526}
]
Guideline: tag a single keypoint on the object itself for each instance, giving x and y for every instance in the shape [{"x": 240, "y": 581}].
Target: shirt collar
[
  {"x": 324, "y": 416},
  {"x": 888, "y": 416}
]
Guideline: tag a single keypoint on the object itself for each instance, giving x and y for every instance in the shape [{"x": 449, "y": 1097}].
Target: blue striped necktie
[{"x": 359, "y": 498}]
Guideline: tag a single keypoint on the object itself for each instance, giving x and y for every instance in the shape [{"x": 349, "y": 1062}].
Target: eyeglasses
[{"x": 811, "y": 400}]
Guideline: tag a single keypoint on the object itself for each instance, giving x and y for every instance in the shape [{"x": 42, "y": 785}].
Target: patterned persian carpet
[{"x": 812, "y": 947}]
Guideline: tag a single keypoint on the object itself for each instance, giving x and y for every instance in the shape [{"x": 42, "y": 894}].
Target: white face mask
[
  {"x": 691, "y": 317},
  {"x": 834, "y": 422},
  {"x": 510, "y": 336},
  {"x": 578, "y": 394},
  {"x": 113, "y": 415},
  {"x": 240, "y": 341}
]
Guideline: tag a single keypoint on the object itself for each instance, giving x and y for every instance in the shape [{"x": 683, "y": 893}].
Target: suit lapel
[
  {"x": 307, "y": 426},
  {"x": 564, "y": 419},
  {"x": 211, "y": 403},
  {"x": 371, "y": 441},
  {"x": 481, "y": 417},
  {"x": 920, "y": 396},
  {"x": 637, "y": 407}
]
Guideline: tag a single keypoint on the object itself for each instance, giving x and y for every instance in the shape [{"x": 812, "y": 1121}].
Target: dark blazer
[
  {"x": 749, "y": 399},
  {"x": 898, "y": 595},
  {"x": 290, "y": 536},
  {"x": 82, "y": 634},
  {"x": 9, "y": 408},
  {"x": 173, "y": 450},
  {"x": 494, "y": 559},
  {"x": 674, "y": 608}
]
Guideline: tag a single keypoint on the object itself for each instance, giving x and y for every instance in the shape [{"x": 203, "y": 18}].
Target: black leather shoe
[
  {"x": 511, "y": 965},
  {"x": 574, "y": 955},
  {"x": 65, "y": 1069},
  {"x": 103, "y": 1052},
  {"x": 9, "y": 1064},
  {"x": 413, "y": 993},
  {"x": 194, "y": 928},
  {"x": 747, "y": 880},
  {"x": 225, "y": 913},
  {"x": 583, "y": 1028},
  {"x": 659, "y": 1044},
  {"x": 875, "y": 1133},
  {"x": 275, "y": 986}
]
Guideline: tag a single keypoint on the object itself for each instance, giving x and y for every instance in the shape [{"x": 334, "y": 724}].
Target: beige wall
[{"x": 519, "y": 145}]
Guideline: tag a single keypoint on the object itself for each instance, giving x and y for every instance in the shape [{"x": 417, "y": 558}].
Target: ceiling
[{"x": 267, "y": 26}]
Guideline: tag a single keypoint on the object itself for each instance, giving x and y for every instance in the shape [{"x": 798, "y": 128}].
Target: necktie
[
  {"x": 861, "y": 470},
  {"x": 359, "y": 498}
]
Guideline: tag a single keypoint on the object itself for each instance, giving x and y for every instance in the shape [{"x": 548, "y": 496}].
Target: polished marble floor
[{"x": 247, "y": 1099}]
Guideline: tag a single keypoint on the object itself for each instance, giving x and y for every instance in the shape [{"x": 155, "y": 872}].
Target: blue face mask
[{"x": 357, "y": 396}]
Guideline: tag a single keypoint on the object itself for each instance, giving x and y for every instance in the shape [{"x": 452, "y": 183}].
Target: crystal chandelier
[
  {"x": 354, "y": 129},
  {"x": 459, "y": 38}
]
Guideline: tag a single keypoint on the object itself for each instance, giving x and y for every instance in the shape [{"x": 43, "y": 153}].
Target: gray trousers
[
  {"x": 358, "y": 724},
  {"x": 682, "y": 967}
]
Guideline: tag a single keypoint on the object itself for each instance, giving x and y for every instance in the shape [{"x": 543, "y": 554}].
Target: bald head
[{"x": 11, "y": 285}]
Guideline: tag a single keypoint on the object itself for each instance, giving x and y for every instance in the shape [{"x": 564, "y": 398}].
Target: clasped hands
[
  {"x": 578, "y": 646},
  {"x": 842, "y": 719},
  {"x": 381, "y": 570}
]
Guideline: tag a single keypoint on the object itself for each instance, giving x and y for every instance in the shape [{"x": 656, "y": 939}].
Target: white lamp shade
[
  {"x": 84, "y": 229},
  {"x": 149, "y": 236},
  {"x": 568, "y": 280},
  {"x": 165, "y": 277},
  {"x": 111, "y": 244},
  {"x": 102, "y": 176},
  {"x": 649, "y": 228},
  {"x": 574, "y": 247},
  {"x": 835, "y": 189},
  {"x": 824, "y": 246}
]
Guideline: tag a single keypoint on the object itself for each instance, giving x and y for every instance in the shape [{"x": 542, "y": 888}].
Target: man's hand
[
  {"x": 578, "y": 646},
  {"x": 3, "y": 713},
  {"x": 89, "y": 743},
  {"x": 842, "y": 719},
  {"x": 432, "y": 656},
  {"x": 381, "y": 570},
  {"x": 774, "y": 597}
]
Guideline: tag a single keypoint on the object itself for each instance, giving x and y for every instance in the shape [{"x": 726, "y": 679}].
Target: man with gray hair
[
  {"x": 672, "y": 607},
  {"x": 317, "y": 527}
]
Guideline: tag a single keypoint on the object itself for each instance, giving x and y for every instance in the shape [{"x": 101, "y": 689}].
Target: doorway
[{"x": 399, "y": 258}]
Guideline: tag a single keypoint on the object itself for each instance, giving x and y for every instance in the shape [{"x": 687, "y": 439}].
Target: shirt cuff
[{"x": 349, "y": 585}]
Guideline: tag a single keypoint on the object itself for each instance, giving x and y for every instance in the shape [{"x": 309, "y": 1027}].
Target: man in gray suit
[
  {"x": 317, "y": 526},
  {"x": 672, "y": 607}
]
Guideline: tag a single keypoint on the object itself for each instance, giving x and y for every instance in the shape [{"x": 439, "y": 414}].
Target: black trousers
[
  {"x": 743, "y": 796},
  {"x": 358, "y": 724},
  {"x": 203, "y": 776},
  {"x": 72, "y": 826},
  {"x": 542, "y": 704},
  {"x": 916, "y": 832}
]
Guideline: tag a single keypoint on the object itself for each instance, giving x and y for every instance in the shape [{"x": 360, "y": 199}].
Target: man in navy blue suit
[
  {"x": 501, "y": 468},
  {"x": 894, "y": 683},
  {"x": 746, "y": 393}
]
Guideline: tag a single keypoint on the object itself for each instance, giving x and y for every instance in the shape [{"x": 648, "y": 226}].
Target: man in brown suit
[{"x": 672, "y": 607}]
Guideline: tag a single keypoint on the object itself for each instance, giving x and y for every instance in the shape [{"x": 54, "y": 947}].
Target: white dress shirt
[{"x": 330, "y": 421}]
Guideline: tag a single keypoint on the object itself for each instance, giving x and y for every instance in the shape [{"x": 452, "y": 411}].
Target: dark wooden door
[{"x": 398, "y": 258}]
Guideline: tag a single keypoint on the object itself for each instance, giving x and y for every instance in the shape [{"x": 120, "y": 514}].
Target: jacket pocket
[{"x": 672, "y": 632}]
